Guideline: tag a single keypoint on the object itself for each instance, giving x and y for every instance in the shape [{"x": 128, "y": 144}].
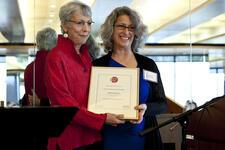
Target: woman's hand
[
  {"x": 141, "y": 111},
  {"x": 113, "y": 119},
  {"x": 30, "y": 99}
]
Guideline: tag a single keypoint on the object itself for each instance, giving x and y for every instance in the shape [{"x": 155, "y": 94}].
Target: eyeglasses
[
  {"x": 124, "y": 27},
  {"x": 81, "y": 23}
]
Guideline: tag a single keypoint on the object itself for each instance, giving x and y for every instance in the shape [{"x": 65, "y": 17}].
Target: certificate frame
[{"x": 114, "y": 90}]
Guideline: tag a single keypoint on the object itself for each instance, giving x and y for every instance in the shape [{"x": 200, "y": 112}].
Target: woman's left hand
[{"x": 141, "y": 111}]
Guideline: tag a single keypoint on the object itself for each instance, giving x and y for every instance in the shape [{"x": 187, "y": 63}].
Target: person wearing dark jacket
[{"x": 123, "y": 33}]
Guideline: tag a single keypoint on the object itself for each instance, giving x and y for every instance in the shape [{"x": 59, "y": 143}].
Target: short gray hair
[
  {"x": 46, "y": 39},
  {"x": 107, "y": 28},
  {"x": 66, "y": 11}
]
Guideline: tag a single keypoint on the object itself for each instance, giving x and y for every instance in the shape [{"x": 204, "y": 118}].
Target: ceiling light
[
  {"x": 51, "y": 15},
  {"x": 158, "y": 13},
  {"x": 52, "y": 6}
]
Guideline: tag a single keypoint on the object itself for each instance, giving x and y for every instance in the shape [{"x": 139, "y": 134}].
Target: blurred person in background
[
  {"x": 45, "y": 40},
  {"x": 189, "y": 105},
  {"x": 93, "y": 47}
]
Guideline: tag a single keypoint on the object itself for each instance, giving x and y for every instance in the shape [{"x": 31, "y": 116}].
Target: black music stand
[
  {"x": 28, "y": 128},
  {"x": 183, "y": 119},
  {"x": 206, "y": 128}
]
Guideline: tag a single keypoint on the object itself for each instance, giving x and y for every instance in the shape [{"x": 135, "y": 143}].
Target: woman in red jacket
[{"x": 68, "y": 69}]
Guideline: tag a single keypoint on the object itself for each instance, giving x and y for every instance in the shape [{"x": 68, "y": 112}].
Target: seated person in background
[
  {"x": 123, "y": 33},
  {"x": 190, "y": 104},
  {"x": 93, "y": 47},
  {"x": 46, "y": 39}
]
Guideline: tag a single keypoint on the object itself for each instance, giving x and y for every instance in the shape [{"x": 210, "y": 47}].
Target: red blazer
[
  {"x": 39, "y": 63},
  {"x": 67, "y": 82}
]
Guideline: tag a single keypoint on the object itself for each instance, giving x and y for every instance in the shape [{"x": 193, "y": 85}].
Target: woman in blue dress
[{"x": 123, "y": 33}]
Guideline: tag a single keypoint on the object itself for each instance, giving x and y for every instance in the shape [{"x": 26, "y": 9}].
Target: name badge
[{"x": 150, "y": 76}]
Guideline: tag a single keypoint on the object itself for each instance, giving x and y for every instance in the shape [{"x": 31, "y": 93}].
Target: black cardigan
[{"x": 156, "y": 102}]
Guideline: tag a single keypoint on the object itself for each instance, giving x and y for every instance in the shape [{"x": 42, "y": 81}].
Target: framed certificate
[{"x": 114, "y": 90}]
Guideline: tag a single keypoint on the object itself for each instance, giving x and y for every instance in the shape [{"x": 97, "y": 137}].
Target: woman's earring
[{"x": 65, "y": 35}]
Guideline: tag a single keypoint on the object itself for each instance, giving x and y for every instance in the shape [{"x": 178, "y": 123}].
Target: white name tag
[{"x": 150, "y": 76}]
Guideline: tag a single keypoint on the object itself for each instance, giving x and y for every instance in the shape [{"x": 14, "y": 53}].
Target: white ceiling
[{"x": 169, "y": 21}]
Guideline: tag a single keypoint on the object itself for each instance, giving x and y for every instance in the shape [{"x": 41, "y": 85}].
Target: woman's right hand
[{"x": 114, "y": 120}]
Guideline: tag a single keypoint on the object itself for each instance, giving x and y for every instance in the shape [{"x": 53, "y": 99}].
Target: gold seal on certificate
[{"x": 114, "y": 90}]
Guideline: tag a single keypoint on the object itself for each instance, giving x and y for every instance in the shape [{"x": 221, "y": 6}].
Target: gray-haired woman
[
  {"x": 67, "y": 80},
  {"x": 45, "y": 40},
  {"x": 123, "y": 33}
]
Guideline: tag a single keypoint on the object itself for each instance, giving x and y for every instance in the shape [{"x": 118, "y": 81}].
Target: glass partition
[{"x": 186, "y": 39}]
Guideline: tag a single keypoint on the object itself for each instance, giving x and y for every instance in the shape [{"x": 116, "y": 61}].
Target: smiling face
[
  {"x": 123, "y": 33},
  {"x": 78, "y": 28}
]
